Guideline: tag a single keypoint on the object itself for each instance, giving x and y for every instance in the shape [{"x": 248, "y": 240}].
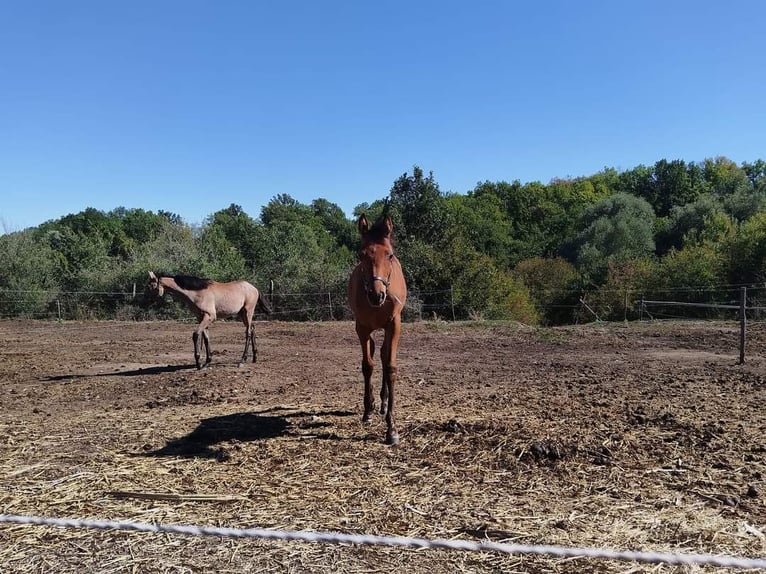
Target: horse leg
[
  {"x": 206, "y": 338},
  {"x": 368, "y": 351},
  {"x": 393, "y": 332},
  {"x": 385, "y": 357},
  {"x": 248, "y": 334},
  {"x": 195, "y": 339},
  {"x": 202, "y": 331}
]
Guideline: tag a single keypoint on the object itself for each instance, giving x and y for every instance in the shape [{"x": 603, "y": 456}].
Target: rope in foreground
[{"x": 364, "y": 539}]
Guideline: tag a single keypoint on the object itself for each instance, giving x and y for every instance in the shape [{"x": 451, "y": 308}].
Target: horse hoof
[
  {"x": 392, "y": 439},
  {"x": 366, "y": 419},
  {"x": 383, "y": 411}
]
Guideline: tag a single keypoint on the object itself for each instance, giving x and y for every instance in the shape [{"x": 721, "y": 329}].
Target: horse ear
[
  {"x": 389, "y": 225},
  {"x": 152, "y": 275},
  {"x": 363, "y": 224}
]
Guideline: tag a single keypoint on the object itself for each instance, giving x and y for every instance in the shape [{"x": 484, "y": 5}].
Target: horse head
[
  {"x": 154, "y": 287},
  {"x": 376, "y": 256}
]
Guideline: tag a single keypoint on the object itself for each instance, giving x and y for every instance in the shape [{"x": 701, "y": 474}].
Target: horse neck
[{"x": 187, "y": 295}]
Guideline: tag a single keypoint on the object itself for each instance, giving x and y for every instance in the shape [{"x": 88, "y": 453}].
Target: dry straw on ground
[{"x": 645, "y": 437}]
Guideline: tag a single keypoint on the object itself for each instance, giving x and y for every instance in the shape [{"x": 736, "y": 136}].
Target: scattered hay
[{"x": 511, "y": 446}]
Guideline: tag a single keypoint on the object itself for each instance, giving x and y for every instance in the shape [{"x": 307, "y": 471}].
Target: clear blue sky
[{"x": 189, "y": 106}]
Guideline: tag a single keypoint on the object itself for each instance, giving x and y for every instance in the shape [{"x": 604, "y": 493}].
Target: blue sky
[{"x": 189, "y": 106}]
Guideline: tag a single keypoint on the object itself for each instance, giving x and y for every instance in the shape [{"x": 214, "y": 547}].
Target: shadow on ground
[
  {"x": 143, "y": 372},
  {"x": 244, "y": 427}
]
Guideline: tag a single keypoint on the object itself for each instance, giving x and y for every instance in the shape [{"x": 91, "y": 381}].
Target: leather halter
[{"x": 386, "y": 282}]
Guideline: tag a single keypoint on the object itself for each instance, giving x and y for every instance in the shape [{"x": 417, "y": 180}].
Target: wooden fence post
[{"x": 742, "y": 323}]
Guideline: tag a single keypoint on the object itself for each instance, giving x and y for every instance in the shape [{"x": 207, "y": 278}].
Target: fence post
[
  {"x": 329, "y": 301},
  {"x": 625, "y": 314},
  {"x": 742, "y": 323},
  {"x": 271, "y": 296},
  {"x": 452, "y": 302}
]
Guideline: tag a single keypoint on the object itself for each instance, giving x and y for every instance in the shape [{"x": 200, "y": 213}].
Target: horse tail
[{"x": 261, "y": 304}]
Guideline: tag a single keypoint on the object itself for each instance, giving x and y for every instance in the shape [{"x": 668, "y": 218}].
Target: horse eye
[{"x": 390, "y": 256}]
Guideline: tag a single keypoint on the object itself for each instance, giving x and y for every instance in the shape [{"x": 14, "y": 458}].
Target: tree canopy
[{"x": 504, "y": 249}]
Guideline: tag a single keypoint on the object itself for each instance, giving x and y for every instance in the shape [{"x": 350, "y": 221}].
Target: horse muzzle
[{"x": 376, "y": 298}]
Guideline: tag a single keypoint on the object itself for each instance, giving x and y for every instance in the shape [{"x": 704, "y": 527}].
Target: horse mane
[{"x": 191, "y": 283}]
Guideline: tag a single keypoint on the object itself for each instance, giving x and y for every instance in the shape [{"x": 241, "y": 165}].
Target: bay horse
[
  {"x": 209, "y": 300},
  {"x": 377, "y": 292}
]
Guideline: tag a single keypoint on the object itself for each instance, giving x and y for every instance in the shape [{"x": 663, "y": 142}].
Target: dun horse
[
  {"x": 209, "y": 300},
  {"x": 376, "y": 293}
]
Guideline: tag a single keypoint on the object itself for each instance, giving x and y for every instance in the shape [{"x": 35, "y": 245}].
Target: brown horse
[
  {"x": 209, "y": 300},
  {"x": 377, "y": 293}
]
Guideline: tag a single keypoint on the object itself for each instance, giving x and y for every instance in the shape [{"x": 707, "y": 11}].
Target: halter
[{"x": 386, "y": 282}]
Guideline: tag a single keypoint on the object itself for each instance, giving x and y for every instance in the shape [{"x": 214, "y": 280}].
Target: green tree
[
  {"x": 627, "y": 280},
  {"x": 482, "y": 221},
  {"x": 553, "y": 284},
  {"x": 481, "y": 290},
  {"x": 747, "y": 251},
  {"x": 218, "y": 258},
  {"x": 284, "y": 207},
  {"x": 689, "y": 223},
  {"x": 665, "y": 185},
  {"x": 617, "y": 228},
  {"x": 335, "y": 223},
  {"x": 28, "y": 274},
  {"x": 241, "y": 231},
  {"x": 724, "y": 176},
  {"x": 420, "y": 207}
]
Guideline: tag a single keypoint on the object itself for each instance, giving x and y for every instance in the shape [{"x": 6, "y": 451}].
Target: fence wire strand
[{"x": 397, "y": 541}]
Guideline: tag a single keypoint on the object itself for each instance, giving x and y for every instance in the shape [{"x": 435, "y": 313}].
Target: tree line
[{"x": 530, "y": 252}]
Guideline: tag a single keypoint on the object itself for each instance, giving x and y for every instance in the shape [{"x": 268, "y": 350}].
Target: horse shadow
[
  {"x": 142, "y": 372},
  {"x": 244, "y": 427}
]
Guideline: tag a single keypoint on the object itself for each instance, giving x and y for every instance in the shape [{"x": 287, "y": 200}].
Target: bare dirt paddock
[{"x": 643, "y": 437}]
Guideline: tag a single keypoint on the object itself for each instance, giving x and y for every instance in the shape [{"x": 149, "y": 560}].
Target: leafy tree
[
  {"x": 747, "y": 251},
  {"x": 553, "y": 284},
  {"x": 665, "y": 185},
  {"x": 626, "y": 282},
  {"x": 482, "y": 221},
  {"x": 617, "y": 228},
  {"x": 284, "y": 208},
  {"x": 335, "y": 223},
  {"x": 242, "y": 233},
  {"x": 697, "y": 266},
  {"x": 420, "y": 207},
  {"x": 28, "y": 274},
  {"x": 724, "y": 176},
  {"x": 218, "y": 258},
  {"x": 689, "y": 223},
  {"x": 756, "y": 174}
]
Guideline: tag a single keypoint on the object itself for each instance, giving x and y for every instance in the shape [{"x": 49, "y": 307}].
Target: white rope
[{"x": 366, "y": 539}]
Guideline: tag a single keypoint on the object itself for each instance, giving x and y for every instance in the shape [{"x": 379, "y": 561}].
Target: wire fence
[
  {"x": 399, "y": 541},
  {"x": 133, "y": 305},
  {"x": 555, "y": 306}
]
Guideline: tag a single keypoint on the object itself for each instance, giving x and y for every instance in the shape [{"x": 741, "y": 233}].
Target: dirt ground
[{"x": 634, "y": 437}]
